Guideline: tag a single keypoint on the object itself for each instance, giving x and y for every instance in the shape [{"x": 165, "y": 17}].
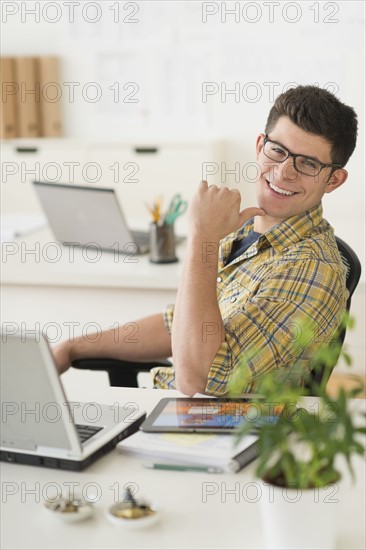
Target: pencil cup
[{"x": 162, "y": 244}]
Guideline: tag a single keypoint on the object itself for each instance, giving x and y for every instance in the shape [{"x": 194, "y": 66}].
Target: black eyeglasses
[{"x": 305, "y": 165}]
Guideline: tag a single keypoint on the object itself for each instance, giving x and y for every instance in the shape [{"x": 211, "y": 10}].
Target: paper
[{"x": 18, "y": 225}]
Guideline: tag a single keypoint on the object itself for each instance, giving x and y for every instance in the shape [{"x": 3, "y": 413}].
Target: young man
[{"x": 251, "y": 278}]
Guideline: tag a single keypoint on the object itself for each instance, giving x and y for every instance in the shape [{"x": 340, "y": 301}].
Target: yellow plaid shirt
[{"x": 294, "y": 271}]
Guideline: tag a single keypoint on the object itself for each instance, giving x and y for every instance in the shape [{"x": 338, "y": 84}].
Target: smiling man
[{"x": 251, "y": 277}]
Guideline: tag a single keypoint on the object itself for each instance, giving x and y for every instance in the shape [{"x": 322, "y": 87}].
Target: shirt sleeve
[
  {"x": 168, "y": 314},
  {"x": 164, "y": 377},
  {"x": 265, "y": 327}
]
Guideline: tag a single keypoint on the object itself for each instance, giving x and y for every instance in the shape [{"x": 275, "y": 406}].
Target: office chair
[
  {"x": 124, "y": 373},
  {"x": 353, "y": 273}
]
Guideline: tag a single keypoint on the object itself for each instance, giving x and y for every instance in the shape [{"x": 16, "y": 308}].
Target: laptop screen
[{"x": 86, "y": 216}]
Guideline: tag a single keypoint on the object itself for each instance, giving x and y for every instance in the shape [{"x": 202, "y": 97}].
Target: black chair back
[{"x": 353, "y": 273}]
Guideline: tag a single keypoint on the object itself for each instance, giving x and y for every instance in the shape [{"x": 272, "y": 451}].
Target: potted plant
[{"x": 299, "y": 453}]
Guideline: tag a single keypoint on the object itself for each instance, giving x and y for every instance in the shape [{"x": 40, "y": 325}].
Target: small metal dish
[
  {"x": 132, "y": 515},
  {"x": 68, "y": 510}
]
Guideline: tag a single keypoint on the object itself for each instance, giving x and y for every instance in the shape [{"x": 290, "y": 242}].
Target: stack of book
[
  {"x": 214, "y": 453},
  {"x": 30, "y": 97}
]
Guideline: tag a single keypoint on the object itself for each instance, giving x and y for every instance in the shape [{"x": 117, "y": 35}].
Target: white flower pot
[{"x": 299, "y": 519}]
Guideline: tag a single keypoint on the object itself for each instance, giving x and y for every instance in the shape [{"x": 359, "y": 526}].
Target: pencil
[{"x": 182, "y": 468}]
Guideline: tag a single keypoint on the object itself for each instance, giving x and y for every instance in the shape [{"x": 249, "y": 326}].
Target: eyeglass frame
[{"x": 294, "y": 155}]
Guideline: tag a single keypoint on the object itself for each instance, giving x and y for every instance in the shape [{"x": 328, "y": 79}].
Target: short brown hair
[{"x": 318, "y": 112}]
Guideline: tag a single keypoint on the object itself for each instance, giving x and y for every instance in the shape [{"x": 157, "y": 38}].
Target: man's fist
[
  {"x": 215, "y": 211},
  {"x": 62, "y": 356}
]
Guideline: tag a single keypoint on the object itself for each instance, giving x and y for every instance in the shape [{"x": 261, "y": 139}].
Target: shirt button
[
  {"x": 219, "y": 279},
  {"x": 233, "y": 299}
]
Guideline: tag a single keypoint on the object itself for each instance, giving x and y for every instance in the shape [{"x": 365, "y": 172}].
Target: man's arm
[
  {"x": 196, "y": 307},
  {"x": 142, "y": 340},
  {"x": 214, "y": 213}
]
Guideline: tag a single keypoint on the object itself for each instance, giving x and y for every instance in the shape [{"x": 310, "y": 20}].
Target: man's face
[{"x": 302, "y": 192}]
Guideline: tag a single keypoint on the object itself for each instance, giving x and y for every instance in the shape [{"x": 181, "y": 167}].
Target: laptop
[
  {"x": 39, "y": 426},
  {"x": 90, "y": 216}
]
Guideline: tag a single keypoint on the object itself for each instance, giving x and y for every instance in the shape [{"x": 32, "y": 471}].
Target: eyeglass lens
[{"x": 302, "y": 164}]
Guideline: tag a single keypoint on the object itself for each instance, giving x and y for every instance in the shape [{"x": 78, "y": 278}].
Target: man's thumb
[{"x": 248, "y": 213}]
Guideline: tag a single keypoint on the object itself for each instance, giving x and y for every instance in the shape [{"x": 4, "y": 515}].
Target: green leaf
[{"x": 303, "y": 446}]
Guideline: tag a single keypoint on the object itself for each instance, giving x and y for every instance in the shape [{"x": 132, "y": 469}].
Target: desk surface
[
  {"x": 223, "y": 521},
  {"x": 40, "y": 260}
]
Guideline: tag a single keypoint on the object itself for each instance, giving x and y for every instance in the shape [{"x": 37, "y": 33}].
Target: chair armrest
[{"x": 121, "y": 373}]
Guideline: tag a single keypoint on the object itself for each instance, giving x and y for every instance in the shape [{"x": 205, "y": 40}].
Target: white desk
[
  {"x": 49, "y": 295},
  {"x": 187, "y": 521},
  {"x": 39, "y": 260}
]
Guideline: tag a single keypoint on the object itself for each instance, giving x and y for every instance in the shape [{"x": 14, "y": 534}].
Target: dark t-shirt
[{"x": 241, "y": 245}]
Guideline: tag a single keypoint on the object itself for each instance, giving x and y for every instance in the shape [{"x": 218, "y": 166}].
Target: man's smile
[{"x": 280, "y": 190}]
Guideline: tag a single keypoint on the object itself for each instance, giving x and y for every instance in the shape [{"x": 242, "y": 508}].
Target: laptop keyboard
[
  {"x": 86, "y": 432},
  {"x": 142, "y": 237}
]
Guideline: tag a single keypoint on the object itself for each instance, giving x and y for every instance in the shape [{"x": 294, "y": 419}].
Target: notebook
[
  {"x": 214, "y": 451},
  {"x": 38, "y": 425},
  {"x": 89, "y": 216}
]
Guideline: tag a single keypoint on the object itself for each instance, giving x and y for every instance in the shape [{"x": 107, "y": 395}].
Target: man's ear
[
  {"x": 338, "y": 177},
  {"x": 259, "y": 144}
]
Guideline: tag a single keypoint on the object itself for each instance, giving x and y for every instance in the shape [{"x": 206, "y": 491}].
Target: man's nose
[{"x": 286, "y": 170}]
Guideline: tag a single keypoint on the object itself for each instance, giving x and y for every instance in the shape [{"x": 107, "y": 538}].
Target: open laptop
[
  {"x": 39, "y": 426},
  {"x": 84, "y": 215}
]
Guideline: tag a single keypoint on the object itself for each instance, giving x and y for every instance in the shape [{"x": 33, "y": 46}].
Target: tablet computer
[{"x": 195, "y": 414}]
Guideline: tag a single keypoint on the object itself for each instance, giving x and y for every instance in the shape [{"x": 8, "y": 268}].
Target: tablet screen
[{"x": 211, "y": 415}]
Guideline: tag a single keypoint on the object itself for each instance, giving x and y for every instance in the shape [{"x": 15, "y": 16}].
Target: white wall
[{"x": 168, "y": 50}]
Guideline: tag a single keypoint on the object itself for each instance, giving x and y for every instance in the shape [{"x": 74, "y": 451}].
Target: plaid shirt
[{"x": 294, "y": 271}]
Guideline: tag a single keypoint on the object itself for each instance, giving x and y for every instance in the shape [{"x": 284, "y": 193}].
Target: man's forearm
[
  {"x": 197, "y": 331},
  {"x": 142, "y": 340}
]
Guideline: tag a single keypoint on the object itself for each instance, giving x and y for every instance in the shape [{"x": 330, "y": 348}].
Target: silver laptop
[
  {"x": 89, "y": 216},
  {"x": 39, "y": 426}
]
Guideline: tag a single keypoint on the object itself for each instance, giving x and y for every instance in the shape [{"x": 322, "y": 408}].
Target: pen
[
  {"x": 181, "y": 468},
  {"x": 155, "y": 209}
]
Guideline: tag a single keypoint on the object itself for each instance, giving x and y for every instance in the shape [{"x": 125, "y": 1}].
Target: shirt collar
[
  {"x": 279, "y": 237},
  {"x": 295, "y": 228}
]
